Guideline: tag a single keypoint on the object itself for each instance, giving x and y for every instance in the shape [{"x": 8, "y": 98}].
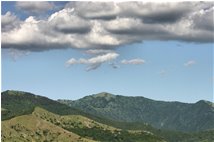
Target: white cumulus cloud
[
  {"x": 9, "y": 21},
  {"x": 99, "y": 28},
  {"x": 93, "y": 62}
]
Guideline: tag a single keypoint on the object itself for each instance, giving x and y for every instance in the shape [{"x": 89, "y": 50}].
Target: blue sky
[{"x": 164, "y": 69}]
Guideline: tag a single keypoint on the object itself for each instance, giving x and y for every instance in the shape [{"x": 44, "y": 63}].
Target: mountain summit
[{"x": 104, "y": 94}]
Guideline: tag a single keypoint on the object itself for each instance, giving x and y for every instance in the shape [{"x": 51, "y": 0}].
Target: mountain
[
  {"x": 16, "y": 103},
  {"x": 163, "y": 115},
  {"x": 32, "y": 128},
  {"x": 29, "y": 117},
  {"x": 42, "y": 125}
]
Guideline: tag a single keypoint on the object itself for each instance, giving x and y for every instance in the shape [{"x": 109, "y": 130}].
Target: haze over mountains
[{"x": 102, "y": 117}]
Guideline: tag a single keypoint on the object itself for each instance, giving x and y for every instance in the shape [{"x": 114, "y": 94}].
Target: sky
[{"x": 68, "y": 50}]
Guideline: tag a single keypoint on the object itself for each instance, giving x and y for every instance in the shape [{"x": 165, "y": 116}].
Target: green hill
[
  {"x": 16, "y": 103},
  {"x": 22, "y": 110},
  {"x": 19, "y": 103},
  {"x": 29, "y": 127},
  {"x": 163, "y": 115},
  {"x": 29, "y": 117}
]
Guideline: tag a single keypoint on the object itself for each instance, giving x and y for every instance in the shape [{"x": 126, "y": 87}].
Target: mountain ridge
[
  {"x": 103, "y": 94},
  {"x": 141, "y": 109},
  {"x": 56, "y": 118},
  {"x": 22, "y": 105}
]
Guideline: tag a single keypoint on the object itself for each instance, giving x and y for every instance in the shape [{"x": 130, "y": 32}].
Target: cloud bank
[{"x": 98, "y": 28}]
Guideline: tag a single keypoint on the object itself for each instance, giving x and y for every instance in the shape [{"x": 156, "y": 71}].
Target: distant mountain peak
[{"x": 104, "y": 94}]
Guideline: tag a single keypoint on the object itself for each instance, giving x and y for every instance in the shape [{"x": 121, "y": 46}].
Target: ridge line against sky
[{"x": 98, "y": 35}]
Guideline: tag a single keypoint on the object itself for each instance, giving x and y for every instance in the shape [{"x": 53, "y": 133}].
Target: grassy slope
[
  {"x": 42, "y": 125},
  {"x": 16, "y": 103},
  {"x": 86, "y": 127},
  {"x": 31, "y": 128}
]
